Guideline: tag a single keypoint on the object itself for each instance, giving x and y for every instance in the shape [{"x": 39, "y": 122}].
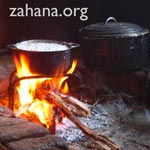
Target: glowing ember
[{"x": 28, "y": 102}]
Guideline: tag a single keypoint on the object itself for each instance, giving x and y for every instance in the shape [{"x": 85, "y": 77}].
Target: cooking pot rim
[
  {"x": 112, "y": 29},
  {"x": 70, "y": 46},
  {"x": 146, "y": 31}
]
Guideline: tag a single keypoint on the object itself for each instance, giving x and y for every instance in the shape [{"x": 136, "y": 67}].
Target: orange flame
[{"x": 27, "y": 88}]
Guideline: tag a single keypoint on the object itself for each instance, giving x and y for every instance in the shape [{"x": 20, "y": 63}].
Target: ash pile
[{"x": 125, "y": 122}]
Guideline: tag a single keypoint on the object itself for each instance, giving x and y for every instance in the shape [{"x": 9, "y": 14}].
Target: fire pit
[
  {"x": 32, "y": 92},
  {"x": 105, "y": 116},
  {"x": 42, "y": 96},
  {"x": 32, "y": 70}
]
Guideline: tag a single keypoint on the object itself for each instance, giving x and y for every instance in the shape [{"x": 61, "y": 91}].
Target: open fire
[
  {"x": 44, "y": 98},
  {"x": 31, "y": 103}
]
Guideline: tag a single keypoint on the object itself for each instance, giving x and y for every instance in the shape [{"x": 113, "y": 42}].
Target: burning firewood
[
  {"x": 23, "y": 109},
  {"x": 102, "y": 141},
  {"x": 70, "y": 107},
  {"x": 77, "y": 107},
  {"x": 81, "y": 108}
]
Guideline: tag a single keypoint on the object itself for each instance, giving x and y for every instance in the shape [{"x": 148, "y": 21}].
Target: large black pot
[
  {"x": 46, "y": 62},
  {"x": 115, "y": 46}
]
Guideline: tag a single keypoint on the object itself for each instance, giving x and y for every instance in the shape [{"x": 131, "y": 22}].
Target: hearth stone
[
  {"x": 48, "y": 142},
  {"x": 6, "y": 112},
  {"x": 20, "y": 134}
]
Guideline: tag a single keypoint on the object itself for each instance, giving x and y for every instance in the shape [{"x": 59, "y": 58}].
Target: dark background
[{"x": 17, "y": 29}]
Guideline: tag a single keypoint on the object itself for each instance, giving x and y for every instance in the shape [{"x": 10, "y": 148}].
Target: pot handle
[
  {"x": 10, "y": 46},
  {"x": 110, "y": 19},
  {"x": 74, "y": 45}
]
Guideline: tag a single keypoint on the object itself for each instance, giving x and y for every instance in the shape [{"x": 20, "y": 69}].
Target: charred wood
[
  {"x": 81, "y": 108},
  {"x": 102, "y": 141},
  {"x": 76, "y": 106}
]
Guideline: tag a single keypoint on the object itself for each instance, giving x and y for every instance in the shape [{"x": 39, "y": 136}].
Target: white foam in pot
[{"x": 41, "y": 46}]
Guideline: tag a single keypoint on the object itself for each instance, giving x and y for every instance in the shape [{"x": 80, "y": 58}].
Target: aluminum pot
[
  {"x": 115, "y": 46},
  {"x": 47, "y": 62}
]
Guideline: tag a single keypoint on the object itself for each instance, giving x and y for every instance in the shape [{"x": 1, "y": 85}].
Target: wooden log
[
  {"x": 52, "y": 123},
  {"x": 23, "y": 109},
  {"x": 78, "y": 105},
  {"x": 103, "y": 142}
]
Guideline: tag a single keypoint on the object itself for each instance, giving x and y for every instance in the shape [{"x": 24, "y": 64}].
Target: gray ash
[{"x": 105, "y": 118}]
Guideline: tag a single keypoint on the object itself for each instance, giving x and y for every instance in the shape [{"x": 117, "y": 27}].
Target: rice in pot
[{"x": 41, "y": 46}]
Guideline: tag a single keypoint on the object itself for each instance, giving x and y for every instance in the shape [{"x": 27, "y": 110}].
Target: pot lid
[{"x": 112, "y": 29}]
